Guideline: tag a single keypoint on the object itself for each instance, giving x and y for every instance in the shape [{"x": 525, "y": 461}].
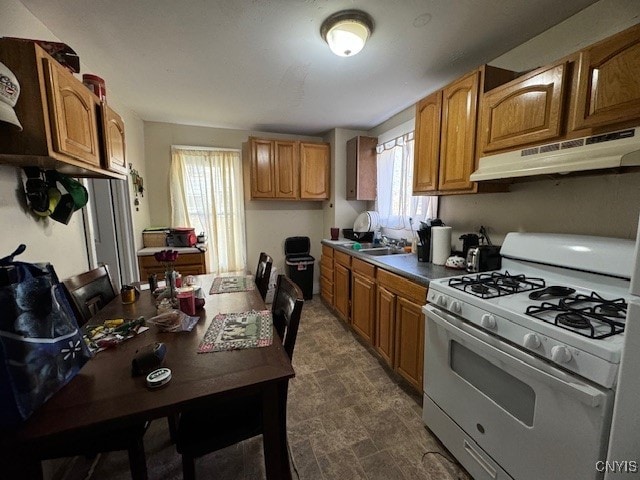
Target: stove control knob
[
  {"x": 560, "y": 354},
  {"x": 531, "y": 340},
  {"x": 442, "y": 301},
  {"x": 488, "y": 321},
  {"x": 456, "y": 307}
]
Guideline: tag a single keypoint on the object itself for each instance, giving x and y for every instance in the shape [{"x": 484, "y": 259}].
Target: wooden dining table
[{"x": 105, "y": 395}]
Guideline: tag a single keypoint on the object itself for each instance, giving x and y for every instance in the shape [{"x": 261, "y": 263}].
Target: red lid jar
[{"x": 96, "y": 85}]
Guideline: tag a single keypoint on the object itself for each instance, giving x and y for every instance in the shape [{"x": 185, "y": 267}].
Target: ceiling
[{"x": 262, "y": 65}]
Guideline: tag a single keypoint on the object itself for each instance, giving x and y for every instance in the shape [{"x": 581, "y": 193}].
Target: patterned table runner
[
  {"x": 232, "y": 331},
  {"x": 241, "y": 283}
]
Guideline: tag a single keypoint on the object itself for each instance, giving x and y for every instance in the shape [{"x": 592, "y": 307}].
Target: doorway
[{"x": 109, "y": 229}]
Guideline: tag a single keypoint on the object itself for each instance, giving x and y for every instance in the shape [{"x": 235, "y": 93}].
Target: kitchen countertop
[
  {"x": 403, "y": 264},
  {"x": 147, "y": 251}
]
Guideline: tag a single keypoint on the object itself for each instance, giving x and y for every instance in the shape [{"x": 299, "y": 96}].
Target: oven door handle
[{"x": 508, "y": 355}]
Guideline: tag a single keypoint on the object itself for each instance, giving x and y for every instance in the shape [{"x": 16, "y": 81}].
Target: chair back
[
  {"x": 263, "y": 273},
  {"x": 90, "y": 291},
  {"x": 286, "y": 310}
]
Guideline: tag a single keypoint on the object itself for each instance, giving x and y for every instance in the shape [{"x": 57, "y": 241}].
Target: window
[
  {"x": 395, "y": 202},
  {"x": 206, "y": 194}
]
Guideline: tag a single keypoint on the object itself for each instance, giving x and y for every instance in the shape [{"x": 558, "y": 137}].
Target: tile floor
[{"x": 349, "y": 418}]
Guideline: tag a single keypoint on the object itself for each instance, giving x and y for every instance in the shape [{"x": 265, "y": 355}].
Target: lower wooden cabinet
[
  {"x": 409, "y": 341},
  {"x": 186, "y": 264},
  {"x": 326, "y": 275},
  {"x": 383, "y": 308},
  {"x": 341, "y": 297},
  {"x": 400, "y": 325},
  {"x": 385, "y": 324},
  {"x": 363, "y": 299}
]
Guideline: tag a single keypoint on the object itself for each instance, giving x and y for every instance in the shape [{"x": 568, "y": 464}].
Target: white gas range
[{"x": 521, "y": 364}]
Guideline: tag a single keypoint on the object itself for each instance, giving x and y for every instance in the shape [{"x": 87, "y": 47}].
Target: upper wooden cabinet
[
  {"x": 595, "y": 90},
  {"x": 608, "y": 82},
  {"x": 315, "y": 166},
  {"x": 528, "y": 109},
  {"x": 446, "y": 121},
  {"x": 427, "y": 144},
  {"x": 113, "y": 140},
  {"x": 362, "y": 168},
  {"x": 274, "y": 169},
  {"x": 458, "y": 133},
  {"x": 288, "y": 170},
  {"x": 58, "y": 113}
]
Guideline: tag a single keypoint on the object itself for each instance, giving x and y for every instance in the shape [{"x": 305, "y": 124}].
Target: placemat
[
  {"x": 242, "y": 283},
  {"x": 232, "y": 331}
]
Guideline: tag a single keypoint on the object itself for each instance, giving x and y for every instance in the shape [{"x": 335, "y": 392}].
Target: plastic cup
[
  {"x": 335, "y": 232},
  {"x": 187, "y": 301}
]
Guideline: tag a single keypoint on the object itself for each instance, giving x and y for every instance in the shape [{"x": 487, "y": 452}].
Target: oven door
[{"x": 534, "y": 420}]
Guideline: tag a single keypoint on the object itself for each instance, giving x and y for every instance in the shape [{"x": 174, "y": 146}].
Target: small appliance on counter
[
  {"x": 482, "y": 258},
  {"x": 182, "y": 237}
]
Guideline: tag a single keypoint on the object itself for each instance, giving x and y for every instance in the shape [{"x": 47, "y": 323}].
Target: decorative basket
[{"x": 154, "y": 239}]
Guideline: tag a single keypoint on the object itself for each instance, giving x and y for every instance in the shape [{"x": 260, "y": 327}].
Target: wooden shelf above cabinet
[{"x": 59, "y": 116}]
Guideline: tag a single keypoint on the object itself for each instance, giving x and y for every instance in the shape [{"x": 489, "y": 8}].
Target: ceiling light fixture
[{"x": 347, "y": 31}]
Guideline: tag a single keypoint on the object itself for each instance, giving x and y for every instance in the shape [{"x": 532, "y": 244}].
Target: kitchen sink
[{"x": 381, "y": 251}]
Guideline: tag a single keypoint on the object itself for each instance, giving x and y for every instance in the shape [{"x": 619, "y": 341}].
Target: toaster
[{"x": 483, "y": 258}]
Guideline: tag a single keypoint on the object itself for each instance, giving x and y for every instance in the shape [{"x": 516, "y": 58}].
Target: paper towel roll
[{"x": 440, "y": 244}]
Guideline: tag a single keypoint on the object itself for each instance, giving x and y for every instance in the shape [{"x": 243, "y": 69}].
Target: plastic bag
[
  {"x": 174, "y": 321},
  {"x": 41, "y": 348}
]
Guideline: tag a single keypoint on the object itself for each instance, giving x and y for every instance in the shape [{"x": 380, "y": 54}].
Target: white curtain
[
  {"x": 395, "y": 202},
  {"x": 206, "y": 194}
]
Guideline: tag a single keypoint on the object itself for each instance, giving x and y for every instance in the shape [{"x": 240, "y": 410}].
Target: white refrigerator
[{"x": 623, "y": 456}]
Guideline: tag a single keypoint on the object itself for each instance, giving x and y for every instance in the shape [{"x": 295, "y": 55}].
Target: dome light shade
[{"x": 347, "y": 31}]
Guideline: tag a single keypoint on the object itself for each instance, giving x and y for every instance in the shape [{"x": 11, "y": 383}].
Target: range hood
[{"x": 609, "y": 150}]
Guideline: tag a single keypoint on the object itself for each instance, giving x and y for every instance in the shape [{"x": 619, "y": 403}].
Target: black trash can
[{"x": 300, "y": 264}]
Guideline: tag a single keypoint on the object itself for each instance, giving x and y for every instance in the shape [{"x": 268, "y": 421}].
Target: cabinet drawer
[
  {"x": 402, "y": 286},
  {"x": 326, "y": 272},
  {"x": 327, "y": 251},
  {"x": 342, "y": 258},
  {"x": 326, "y": 261},
  {"x": 363, "y": 267}
]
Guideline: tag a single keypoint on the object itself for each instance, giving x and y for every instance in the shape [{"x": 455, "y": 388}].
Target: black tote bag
[{"x": 41, "y": 347}]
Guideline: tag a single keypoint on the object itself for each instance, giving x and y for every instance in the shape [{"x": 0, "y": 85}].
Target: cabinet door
[
  {"x": 262, "y": 168},
  {"x": 458, "y": 134},
  {"x": 385, "y": 323},
  {"x": 427, "y": 144},
  {"x": 608, "y": 87},
  {"x": 363, "y": 301},
  {"x": 362, "y": 168},
  {"x": 286, "y": 170},
  {"x": 73, "y": 115},
  {"x": 527, "y": 110},
  {"x": 114, "y": 146},
  {"x": 409, "y": 341},
  {"x": 342, "y": 295},
  {"x": 315, "y": 165}
]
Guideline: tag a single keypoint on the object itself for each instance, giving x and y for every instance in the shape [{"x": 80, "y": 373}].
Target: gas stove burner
[
  {"x": 552, "y": 291},
  {"x": 597, "y": 305},
  {"x": 479, "y": 288},
  {"x": 496, "y": 284},
  {"x": 611, "y": 310},
  {"x": 573, "y": 320}
]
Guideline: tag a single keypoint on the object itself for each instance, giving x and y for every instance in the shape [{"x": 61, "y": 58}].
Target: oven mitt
[
  {"x": 75, "y": 198},
  {"x": 74, "y": 188}
]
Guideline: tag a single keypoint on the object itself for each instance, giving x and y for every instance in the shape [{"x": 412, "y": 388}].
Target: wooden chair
[
  {"x": 263, "y": 273},
  {"x": 230, "y": 421},
  {"x": 90, "y": 291}
]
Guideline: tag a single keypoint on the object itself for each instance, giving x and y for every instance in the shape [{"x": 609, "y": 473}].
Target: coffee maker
[{"x": 424, "y": 234}]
